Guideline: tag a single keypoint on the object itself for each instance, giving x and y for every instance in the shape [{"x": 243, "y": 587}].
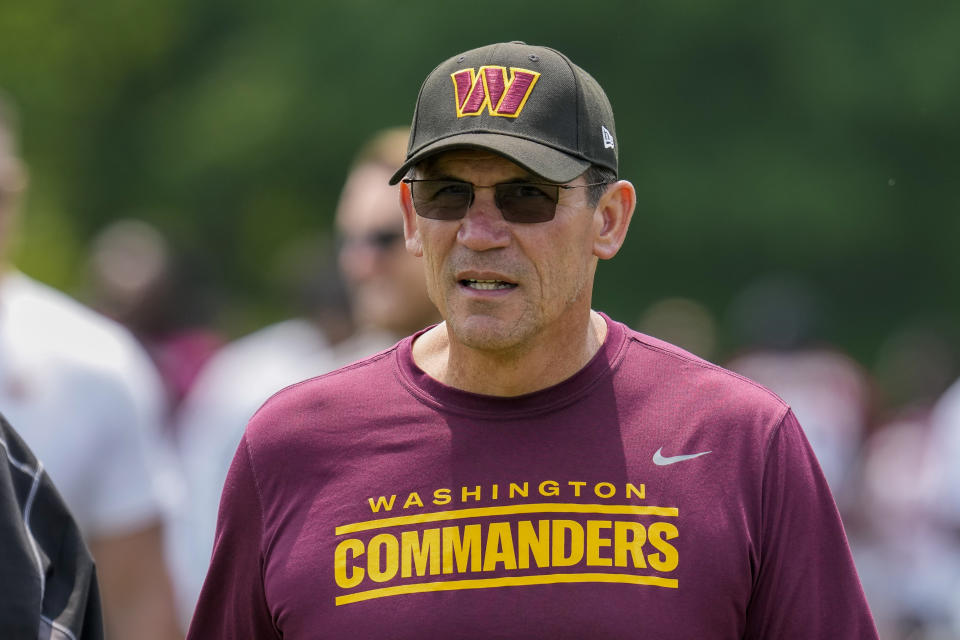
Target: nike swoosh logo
[{"x": 661, "y": 460}]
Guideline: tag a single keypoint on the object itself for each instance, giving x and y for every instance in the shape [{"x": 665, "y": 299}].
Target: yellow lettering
[
  {"x": 594, "y": 542},
  {"x": 462, "y": 550},
  {"x": 549, "y": 488},
  {"x": 576, "y": 487},
  {"x": 536, "y": 542},
  {"x": 413, "y": 499},
  {"x": 464, "y": 493},
  {"x": 340, "y": 564},
  {"x": 382, "y": 503},
  {"x": 411, "y": 551},
  {"x": 560, "y": 530},
  {"x": 668, "y": 558},
  {"x": 517, "y": 490},
  {"x": 496, "y": 491},
  {"x": 499, "y": 547},
  {"x": 389, "y": 555},
  {"x": 628, "y": 537},
  {"x": 608, "y": 492},
  {"x": 441, "y": 496},
  {"x": 640, "y": 493}
]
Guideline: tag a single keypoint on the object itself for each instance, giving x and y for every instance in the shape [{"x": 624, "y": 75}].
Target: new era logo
[
  {"x": 503, "y": 92},
  {"x": 607, "y": 137}
]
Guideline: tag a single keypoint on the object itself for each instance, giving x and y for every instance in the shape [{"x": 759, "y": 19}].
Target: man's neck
[{"x": 511, "y": 373}]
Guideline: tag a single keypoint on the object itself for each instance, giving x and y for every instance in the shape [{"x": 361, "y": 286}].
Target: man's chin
[{"x": 486, "y": 333}]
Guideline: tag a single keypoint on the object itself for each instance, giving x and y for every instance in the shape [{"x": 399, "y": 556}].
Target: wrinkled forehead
[{"x": 467, "y": 163}]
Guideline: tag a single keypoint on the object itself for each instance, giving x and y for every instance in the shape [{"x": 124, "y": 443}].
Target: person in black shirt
[{"x": 48, "y": 587}]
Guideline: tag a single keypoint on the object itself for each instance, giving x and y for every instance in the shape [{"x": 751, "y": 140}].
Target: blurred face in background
[
  {"x": 386, "y": 284},
  {"x": 12, "y": 183}
]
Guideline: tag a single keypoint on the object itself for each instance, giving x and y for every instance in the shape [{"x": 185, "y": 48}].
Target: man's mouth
[{"x": 487, "y": 285}]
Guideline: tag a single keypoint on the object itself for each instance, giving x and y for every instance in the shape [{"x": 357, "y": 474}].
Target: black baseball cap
[{"x": 529, "y": 104}]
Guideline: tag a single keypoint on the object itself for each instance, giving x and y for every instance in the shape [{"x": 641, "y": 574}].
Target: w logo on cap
[{"x": 492, "y": 88}]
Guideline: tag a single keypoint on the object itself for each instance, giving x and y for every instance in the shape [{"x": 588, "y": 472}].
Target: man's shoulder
[
  {"x": 363, "y": 381},
  {"x": 48, "y": 321},
  {"x": 321, "y": 417},
  {"x": 689, "y": 377}
]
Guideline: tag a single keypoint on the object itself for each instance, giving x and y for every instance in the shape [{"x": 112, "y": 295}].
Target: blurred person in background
[
  {"x": 88, "y": 401},
  {"x": 908, "y": 562},
  {"x": 871, "y": 431},
  {"x": 942, "y": 471},
  {"x": 904, "y": 530},
  {"x": 134, "y": 277},
  {"x": 357, "y": 300},
  {"x": 49, "y": 586},
  {"x": 386, "y": 285}
]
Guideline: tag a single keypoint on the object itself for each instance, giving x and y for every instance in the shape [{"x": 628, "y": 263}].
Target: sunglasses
[
  {"x": 379, "y": 240},
  {"x": 517, "y": 201}
]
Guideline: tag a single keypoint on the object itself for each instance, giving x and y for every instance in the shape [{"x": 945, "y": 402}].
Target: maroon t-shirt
[{"x": 651, "y": 495}]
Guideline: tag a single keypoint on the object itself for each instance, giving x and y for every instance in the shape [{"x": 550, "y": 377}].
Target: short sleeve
[
  {"x": 232, "y": 601},
  {"x": 127, "y": 492},
  {"x": 806, "y": 584}
]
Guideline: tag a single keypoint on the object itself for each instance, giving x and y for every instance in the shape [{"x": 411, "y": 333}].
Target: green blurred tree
[{"x": 819, "y": 139}]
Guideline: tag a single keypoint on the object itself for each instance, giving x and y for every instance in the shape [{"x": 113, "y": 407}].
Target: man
[
  {"x": 382, "y": 292},
  {"x": 528, "y": 468},
  {"x": 86, "y": 399},
  {"x": 385, "y": 284},
  {"x": 49, "y": 587}
]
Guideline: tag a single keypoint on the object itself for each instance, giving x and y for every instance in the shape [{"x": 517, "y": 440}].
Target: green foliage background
[{"x": 816, "y": 138}]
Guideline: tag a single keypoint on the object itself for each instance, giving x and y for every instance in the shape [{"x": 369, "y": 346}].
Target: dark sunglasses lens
[
  {"x": 441, "y": 199},
  {"x": 384, "y": 239},
  {"x": 378, "y": 240},
  {"x": 521, "y": 202}
]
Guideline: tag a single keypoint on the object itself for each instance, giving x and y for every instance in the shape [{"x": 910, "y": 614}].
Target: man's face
[
  {"x": 542, "y": 272},
  {"x": 386, "y": 283}
]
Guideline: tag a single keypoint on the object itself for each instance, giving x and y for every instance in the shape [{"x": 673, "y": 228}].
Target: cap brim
[{"x": 546, "y": 162}]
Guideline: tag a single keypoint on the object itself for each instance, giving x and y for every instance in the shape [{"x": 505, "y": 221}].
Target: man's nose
[{"x": 483, "y": 226}]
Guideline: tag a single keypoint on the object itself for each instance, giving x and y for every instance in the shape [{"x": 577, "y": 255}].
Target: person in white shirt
[
  {"x": 384, "y": 293},
  {"x": 943, "y": 454},
  {"x": 88, "y": 402}
]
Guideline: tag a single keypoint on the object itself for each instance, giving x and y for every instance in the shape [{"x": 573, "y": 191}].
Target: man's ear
[
  {"x": 612, "y": 218},
  {"x": 410, "y": 231}
]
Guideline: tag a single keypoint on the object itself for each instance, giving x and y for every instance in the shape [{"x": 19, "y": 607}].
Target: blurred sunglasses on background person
[{"x": 378, "y": 239}]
